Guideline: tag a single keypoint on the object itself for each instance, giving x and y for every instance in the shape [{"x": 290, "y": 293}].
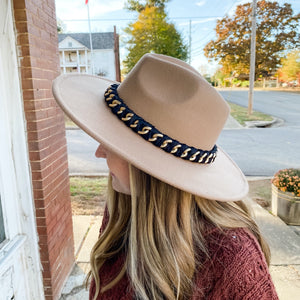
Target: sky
[{"x": 195, "y": 19}]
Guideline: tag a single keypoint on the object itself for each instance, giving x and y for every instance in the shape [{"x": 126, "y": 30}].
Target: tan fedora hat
[{"x": 164, "y": 118}]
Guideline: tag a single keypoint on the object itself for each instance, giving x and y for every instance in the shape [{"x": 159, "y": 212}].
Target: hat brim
[{"x": 81, "y": 97}]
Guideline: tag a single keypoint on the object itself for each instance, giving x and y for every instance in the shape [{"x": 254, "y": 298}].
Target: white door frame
[{"x": 20, "y": 267}]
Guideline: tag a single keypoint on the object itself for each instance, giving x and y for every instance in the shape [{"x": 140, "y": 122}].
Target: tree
[
  {"x": 276, "y": 31},
  {"x": 61, "y": 26},
  {"x": 290, "y": 70},
  {"x": 139, "y": 6},
  {"x": 152, "y": 33}
]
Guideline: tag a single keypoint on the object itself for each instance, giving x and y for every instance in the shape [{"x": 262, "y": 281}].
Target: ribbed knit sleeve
[{"x": 237, "y": 269}]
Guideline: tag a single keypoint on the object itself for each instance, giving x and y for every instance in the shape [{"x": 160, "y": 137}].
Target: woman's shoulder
[
  {"x": 229, "y": 249},
  {"x": 237, "y": 268},
  {"x": 232, "y": 242}
]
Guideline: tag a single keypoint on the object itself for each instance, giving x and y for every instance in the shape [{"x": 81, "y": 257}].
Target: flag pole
[{"x": 90, "y": 33}]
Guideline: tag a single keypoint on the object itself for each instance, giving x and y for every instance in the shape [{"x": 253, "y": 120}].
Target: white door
[{"x": 20, "y": 268}]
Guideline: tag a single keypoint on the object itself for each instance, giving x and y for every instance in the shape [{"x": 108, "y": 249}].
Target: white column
[
  {"x": 77, "y": 59},
  {"x": 64, "y": 62},
  {"x": 86, "y": 62}
]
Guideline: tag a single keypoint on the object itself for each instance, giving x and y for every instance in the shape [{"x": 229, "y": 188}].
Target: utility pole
[
  {"x": 117, "y": 55},
  {"x": 190, "y": 42},
  {"x": 252, "y": 58},
  {"x": 91, "y": 40}
]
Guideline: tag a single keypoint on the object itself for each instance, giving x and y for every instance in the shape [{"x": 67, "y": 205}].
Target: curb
[
  {"x": 276, "y": 122},
  {"x": 257, "y": 178}
]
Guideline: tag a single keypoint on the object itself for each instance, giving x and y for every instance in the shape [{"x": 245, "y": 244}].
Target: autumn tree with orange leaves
[
  {"x": 276, "y": 32},
  {"x": 290, "y": 70}
]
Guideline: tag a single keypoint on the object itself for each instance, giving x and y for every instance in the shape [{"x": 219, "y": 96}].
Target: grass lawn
[
  {"x": 88, "y": 195},
  {"x": 241, "y": 114},
  {"x": 261, "y": 192},
  {"x": 69, "y": 123}
]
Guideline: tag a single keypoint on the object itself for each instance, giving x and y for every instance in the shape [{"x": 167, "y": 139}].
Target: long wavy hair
[{"x": 159, "y": 227}]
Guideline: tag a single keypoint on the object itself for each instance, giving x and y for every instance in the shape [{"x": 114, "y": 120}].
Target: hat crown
[{"x": 176, "y": 99}]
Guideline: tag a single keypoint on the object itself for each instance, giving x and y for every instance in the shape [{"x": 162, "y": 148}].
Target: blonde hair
[{"x": 158, "y": 228}]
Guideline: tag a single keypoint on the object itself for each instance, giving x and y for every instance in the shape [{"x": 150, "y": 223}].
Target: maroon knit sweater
[{"x": 237, "y": 270}]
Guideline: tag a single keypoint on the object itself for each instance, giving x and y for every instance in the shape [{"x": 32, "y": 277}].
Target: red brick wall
[{"x": 39, "y": 64}]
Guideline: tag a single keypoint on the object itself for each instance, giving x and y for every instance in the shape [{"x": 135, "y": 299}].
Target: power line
[
  {"x": 199, "y": 49},
  {"x": 127, "y": 19},
  {"x": 207, "y": 36}
]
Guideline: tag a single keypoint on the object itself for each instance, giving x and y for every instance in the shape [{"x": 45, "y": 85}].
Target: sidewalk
[
  {"x": 86, "y": 230},
  {"x": 284, "y": 242}
]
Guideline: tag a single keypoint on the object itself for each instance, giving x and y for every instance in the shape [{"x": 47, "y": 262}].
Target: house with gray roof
[{"x": 78, "y": 55}]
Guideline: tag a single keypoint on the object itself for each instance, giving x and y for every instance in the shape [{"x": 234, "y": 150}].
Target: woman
[{"x": 175, "y": 226}]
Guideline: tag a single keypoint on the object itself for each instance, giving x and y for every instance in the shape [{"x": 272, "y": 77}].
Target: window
[
  {"x": 70, "y": 44},
  {"x": 2, "y": 232}
]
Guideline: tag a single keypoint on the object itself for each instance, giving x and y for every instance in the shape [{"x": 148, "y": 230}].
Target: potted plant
[{"x": 286, "y": 195}]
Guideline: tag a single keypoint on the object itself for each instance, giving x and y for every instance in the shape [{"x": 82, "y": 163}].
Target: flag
[{"x": 86, "y": 1}]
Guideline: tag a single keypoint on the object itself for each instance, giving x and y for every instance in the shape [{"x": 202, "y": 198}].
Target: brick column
[{"x": 39, "y": 64}]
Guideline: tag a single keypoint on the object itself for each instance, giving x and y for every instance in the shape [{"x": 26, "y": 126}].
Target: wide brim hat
[{"x": 171, "y": 97}]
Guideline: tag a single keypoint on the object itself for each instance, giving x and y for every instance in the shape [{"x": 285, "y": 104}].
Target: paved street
[
  {"x": 259, "y": 151},
  {"x": 282, "y": 105},
  {"x": 263, "y": 151},
  {"x": 81, "y": 149}
]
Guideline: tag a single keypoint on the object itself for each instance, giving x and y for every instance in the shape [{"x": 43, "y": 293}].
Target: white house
[{"x": 77, "y": 56}]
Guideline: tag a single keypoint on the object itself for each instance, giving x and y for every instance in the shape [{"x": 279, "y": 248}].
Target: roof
[{"x": 100, "y": 40}]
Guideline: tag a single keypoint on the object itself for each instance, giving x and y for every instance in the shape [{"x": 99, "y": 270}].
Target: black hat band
[{"x": 151, "y": 134}]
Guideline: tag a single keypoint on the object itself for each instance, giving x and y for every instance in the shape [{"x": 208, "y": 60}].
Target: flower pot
[{"x": 286, "y": 206}]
